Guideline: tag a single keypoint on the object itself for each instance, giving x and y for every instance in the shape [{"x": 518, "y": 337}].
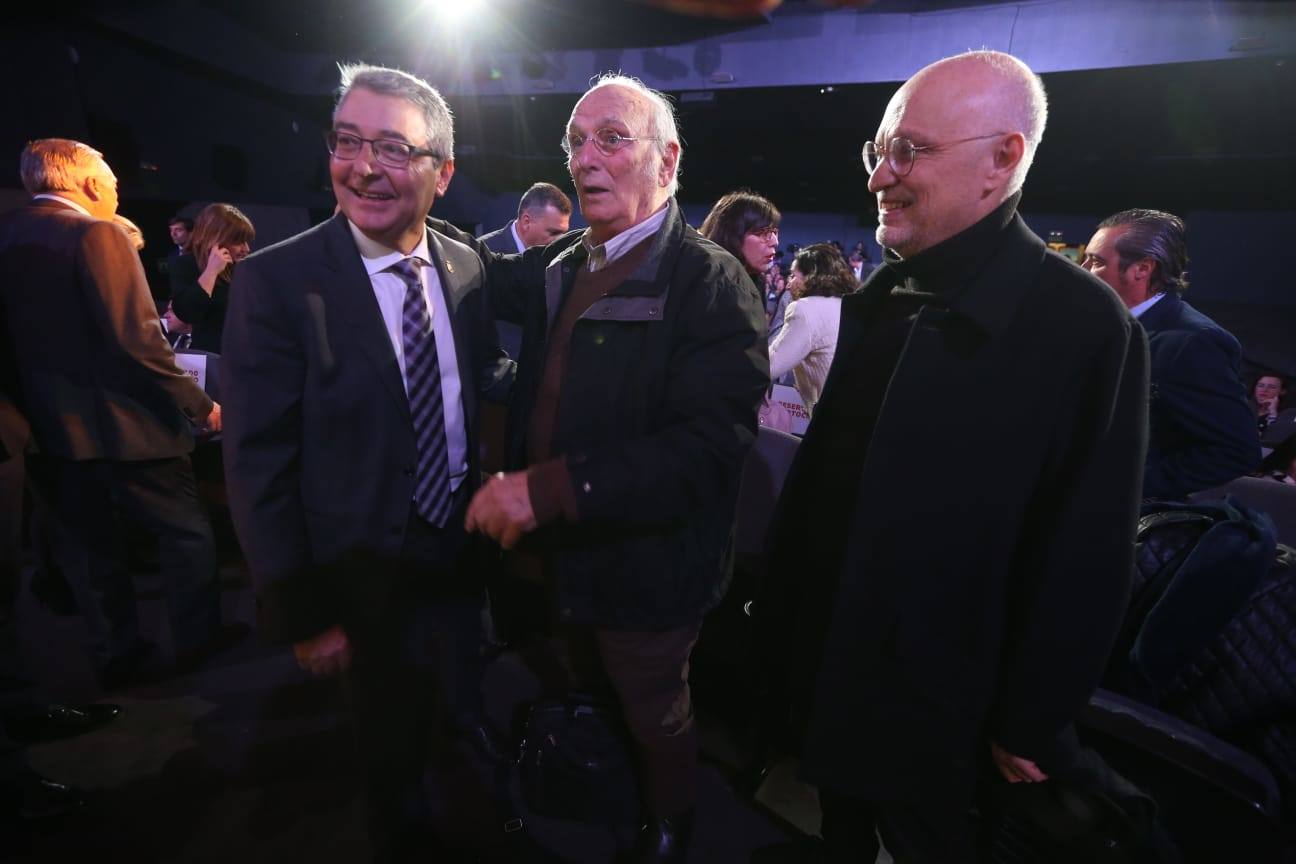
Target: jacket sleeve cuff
[{"x": 552, "y": 496}]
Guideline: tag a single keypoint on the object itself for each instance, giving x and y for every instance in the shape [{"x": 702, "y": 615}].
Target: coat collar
[{"x": 991, "y": 298}]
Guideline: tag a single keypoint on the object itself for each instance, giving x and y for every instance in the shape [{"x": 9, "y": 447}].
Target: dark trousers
[
  {"x": 88, "y": 500},
  {"x": 935, "y": 833},
  {"x": 648, "y": 674},
  {"x": 421, "y": 647}
]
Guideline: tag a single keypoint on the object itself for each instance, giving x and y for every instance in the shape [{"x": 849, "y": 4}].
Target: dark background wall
[{"x": 204, "y": 104}]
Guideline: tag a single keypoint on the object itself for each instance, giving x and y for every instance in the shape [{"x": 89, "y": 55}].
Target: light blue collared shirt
[
  {"x": 605, "y": 254},
  {"x": 389, "y": 291},
  {"x": 516, "y": 239},
  {"x": 1146, "y": 305}
]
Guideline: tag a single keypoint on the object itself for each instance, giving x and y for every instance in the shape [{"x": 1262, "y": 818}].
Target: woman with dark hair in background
[
  {"x": 746, "y": 226},
  {"x": 820, "y": 278},
  {"x": 222, "y": 236}
]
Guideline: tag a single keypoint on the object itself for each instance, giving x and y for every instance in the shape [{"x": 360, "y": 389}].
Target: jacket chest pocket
[{"x": 612, "y": 374}]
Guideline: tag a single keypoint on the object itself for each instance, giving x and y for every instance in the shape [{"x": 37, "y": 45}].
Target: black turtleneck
[{"x": 933, "y": 277}]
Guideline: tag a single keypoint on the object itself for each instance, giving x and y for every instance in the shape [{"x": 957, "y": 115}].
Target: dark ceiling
[{"x": 1211, "y": 135}]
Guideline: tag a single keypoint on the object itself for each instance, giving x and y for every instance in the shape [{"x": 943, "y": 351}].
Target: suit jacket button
[
  {"x": 565, "y": 614},
  {"x": 586, "y": 486},
  {"x": 408, "y": 470}
]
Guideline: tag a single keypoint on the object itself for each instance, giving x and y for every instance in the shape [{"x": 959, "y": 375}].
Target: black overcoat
[{"x": 989, "y": 551}]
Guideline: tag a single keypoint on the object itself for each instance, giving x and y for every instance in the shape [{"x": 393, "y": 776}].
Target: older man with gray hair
[
  {"x": 643, "y": 364},
  {"x": 958, "y": 584},
  {"x": 111, "y": 413}
]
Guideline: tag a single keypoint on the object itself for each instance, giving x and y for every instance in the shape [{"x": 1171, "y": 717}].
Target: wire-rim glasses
[
  {"x": 608, "y": 141},
  {"x": 901, "y": 152}
]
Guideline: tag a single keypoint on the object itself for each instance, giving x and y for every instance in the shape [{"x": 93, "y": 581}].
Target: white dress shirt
[
  {"x": 50, "y": 196},
  {"x": 516, "y": 239},
  {"x": 389, "y": 291}
]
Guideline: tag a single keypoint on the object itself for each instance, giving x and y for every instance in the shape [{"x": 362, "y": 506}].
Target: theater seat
[
  {"x": 726, "y": 681},
  {"x": 1261, "y": 493},
  {"x": 1217, "y": 802},
  {"x": 762, "y": 480}
]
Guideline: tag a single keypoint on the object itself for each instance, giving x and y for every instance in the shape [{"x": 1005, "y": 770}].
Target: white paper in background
[
  {"x": 790, "y": 399},
  {"x": 195, "y": 365}
]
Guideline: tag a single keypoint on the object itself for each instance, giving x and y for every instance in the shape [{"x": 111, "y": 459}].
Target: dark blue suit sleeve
[
  {"x": 1204, "y": 430},
  {"x": 264, "y": 377}
]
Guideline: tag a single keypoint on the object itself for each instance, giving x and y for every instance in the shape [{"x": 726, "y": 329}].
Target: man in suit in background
[
  {"x": 178, "y": 333},
  {"x": 354, "y": 354},
  {"x": 544, "y": 213},
  {"x": 181, "y": 230},
  {"x": 111, "y": 413},
  {"x": 543, "y": 216},
  {"x": 1201, "y": 430}
]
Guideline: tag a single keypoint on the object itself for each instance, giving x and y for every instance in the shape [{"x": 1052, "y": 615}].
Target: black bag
[
  {"x": 1060, "y": 823},
  {"x": 575, "y": 763}
]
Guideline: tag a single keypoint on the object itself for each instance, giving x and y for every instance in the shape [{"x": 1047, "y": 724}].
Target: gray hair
[
  {"x": 416, "y": 91},
  {"x": 1027, "y": 110},
  {"x": 1156, "y": 235},
  {"x": 57, "y": 165},
  {"x": 661, "y": 118}
]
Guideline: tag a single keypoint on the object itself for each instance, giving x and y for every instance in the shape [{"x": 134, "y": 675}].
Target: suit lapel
[
  {"x": 350, "y": 292},
  {"x": 452, "y": 270}
]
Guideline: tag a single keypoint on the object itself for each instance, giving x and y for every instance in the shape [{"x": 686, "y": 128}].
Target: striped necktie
[{"x": 423, "y": 384}]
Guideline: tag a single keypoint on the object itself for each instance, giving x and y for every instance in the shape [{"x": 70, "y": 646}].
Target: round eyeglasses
[
  {"x": 388, "y": 151},
  {"x": 901, "y": 152},
  {"x": 608, "y": 141}
]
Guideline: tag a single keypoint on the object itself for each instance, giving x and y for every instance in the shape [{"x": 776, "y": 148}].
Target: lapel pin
[{"x": 449, "y": 267}]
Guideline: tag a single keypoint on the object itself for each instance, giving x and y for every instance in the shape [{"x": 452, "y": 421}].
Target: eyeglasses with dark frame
[
  {"x": 388, "y": 151},
  {"x": 608, "y": 141},
  {"x": 766, "y": 234},
  {"x": 901, "y": 152}
]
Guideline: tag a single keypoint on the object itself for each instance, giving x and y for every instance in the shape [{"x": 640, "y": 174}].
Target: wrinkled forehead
[{"x": 608, "y": 106}]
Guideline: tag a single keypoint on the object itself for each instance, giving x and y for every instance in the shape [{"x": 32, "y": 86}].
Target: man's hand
[
  {"x": 213, "y": 424},
  {"x": 1015, "y": 769},
  {"x": 326, "y": 654},
  {"x": 502, "y": 509}
]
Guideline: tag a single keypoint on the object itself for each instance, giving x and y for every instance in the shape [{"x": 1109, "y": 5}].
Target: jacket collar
[{"x": 1161, "y": 313}]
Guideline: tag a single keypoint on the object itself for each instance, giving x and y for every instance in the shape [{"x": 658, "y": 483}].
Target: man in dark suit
[
  {"x": 1202, "y": 431},
  {"x": 181, "y": 230},
  {"x": 544, "y": 213},
  {"x": 111, "y": 413},
  {"x": 178, "y": 333},
  {"x": 353, "y": 357},
  {"x": 953, "y": 589}
]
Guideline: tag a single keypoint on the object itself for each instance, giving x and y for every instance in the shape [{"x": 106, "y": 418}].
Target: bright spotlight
[{"x": 453, "y": 11}]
